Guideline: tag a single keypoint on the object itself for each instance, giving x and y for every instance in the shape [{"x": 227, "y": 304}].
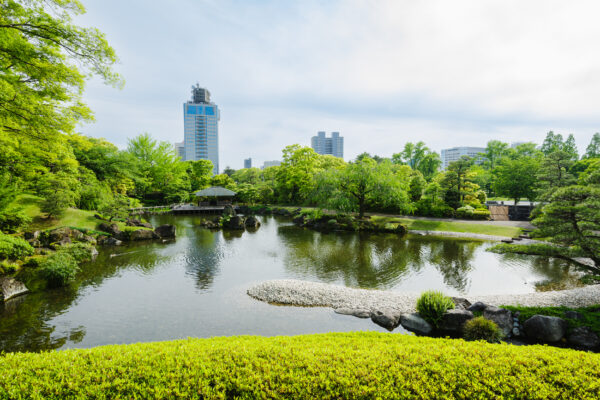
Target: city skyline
[{"x": 468, "y": 74}]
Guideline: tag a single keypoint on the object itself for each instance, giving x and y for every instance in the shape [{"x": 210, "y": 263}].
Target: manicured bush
[
  {"x": 14, "y": 248},
  {"x": 81, "y": 252},
  {"x": 480, "y": 328},
  {"x": 13, "y": 220},
  {"x": 58, "y": 269},
  {"x": 361, "y": 365},
  {"x": 432, "y": 305}
]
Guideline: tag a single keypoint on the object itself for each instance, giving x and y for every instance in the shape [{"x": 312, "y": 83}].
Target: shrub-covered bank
[{"x": 327, "y": 366}]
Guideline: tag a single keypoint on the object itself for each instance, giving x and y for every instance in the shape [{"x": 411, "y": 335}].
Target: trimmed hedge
[
  {"x": 14, "y": 248},
  {"x": 327, "y": 366}
]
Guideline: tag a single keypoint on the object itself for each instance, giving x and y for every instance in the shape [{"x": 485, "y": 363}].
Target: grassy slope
[
  {"x": 451, "y": 226},
  {"x": 72, "y": 217},
  {"x": 335, "y": 365}
]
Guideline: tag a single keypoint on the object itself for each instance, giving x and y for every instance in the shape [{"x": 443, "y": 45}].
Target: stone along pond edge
[{"x": 391, "y": 309}]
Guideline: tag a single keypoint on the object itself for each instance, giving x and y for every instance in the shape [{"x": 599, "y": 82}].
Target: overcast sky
[{"x": 450, "y": 73}]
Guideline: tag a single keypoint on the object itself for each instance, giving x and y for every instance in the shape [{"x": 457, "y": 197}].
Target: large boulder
[
  {"x": 143, "y": 234},
  {"x": 545, "y": 329},
  {"x": 62, "y": 234},
  {"x": 477, "y": 307},
  {"x": 584, "y": 338},
  {"x": 460, "y": 303},
  {"x": 453, "y": 321},
  {"x": 415, "y": 323},
  {"x": 165, "y": 231},
  {"x": 113, "y": 228},
  {"x": 10, "y": 287},
  {"x": 137, "y": 222},
  {"x": 252, "y": 222},
  {"x": 502, "y": 317},
  {"x": 109, "y": 241},
  {"x": 387, "y": 318},
  {"x": 235, "y": 223},
  {"x": 356, "y": 312},
  {"x": 229, "y": 210}
]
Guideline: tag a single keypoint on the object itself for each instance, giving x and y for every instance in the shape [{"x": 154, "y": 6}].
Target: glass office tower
[{"x": 201, "y": 128}]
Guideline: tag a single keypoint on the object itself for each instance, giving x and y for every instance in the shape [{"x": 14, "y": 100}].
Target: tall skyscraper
[
  {"x": 201, "y": 128},
  {"x": 324, "y": 145},
  {"x": 248, "y": 162}
]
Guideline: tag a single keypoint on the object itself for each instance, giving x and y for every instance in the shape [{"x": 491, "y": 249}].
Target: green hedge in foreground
[{"x": 328, "y": 366}]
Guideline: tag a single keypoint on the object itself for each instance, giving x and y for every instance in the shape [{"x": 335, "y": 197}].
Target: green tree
[
  {"x": 570, "y": 147},
  {"x": 118, "y": 207},
  {"x": 572, "y": 218},
  {"x": 228, "y": 171},
  {"x": 554, "y": 173},
  {"x": 417, "y": 186},
  {"x": 516, "y": 178},
  {"x": 457, "y": 181},
  {"x": 593, "y": 149},
  {"x": 429, "y": 165},
  {"x": 200, "y": 173},
  {"x": 553, "y": 142},
  {"x": 223, "y": 180},
  {"x": 44, "y": 61},
  {"x": 295, "y": 176},
  {"x": 494, "y": 152}
]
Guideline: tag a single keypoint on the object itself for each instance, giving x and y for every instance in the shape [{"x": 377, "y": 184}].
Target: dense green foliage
[
  {"x": 540, "y": 249},
  {"x": 480, "y": 328},
  {"x": 590, "y": 315},
  {"x": 58, "y": 269},
  {"x": 329, "y": 366},
  {"x": 13, "y": 248},
  {"x": 432, "y": 305}
]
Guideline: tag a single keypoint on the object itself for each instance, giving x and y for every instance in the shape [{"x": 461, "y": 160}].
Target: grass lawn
[
  {"x": 72, "y": 217},
  {"x": 360, "y": 365},
  {"x": 450, "y": 226}
]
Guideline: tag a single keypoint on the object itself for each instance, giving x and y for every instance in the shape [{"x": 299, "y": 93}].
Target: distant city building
[
  {"x": 455, "y": 153},
  {"x": 180, "y": 148},
  {"x": 324, "y": 145},
  {"x": 274, "y": 163},
  {"x": 201, "y": 128},
  {"x": 248, "y": 163}
]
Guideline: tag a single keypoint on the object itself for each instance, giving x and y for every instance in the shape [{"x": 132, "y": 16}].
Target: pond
[{"x": 195, "y": 286}]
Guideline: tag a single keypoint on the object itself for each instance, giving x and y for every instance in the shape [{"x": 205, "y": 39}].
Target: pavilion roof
[{"x": 215, "y": 191}]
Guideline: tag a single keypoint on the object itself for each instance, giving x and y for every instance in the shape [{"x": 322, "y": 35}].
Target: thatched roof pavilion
[{"x": 215, "y": 191}]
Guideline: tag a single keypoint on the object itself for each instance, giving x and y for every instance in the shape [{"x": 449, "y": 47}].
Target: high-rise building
[
  {"x": 201, "y": 128},
  {"x": 324, "y": 145},
  {"x": 248, "y": 162},
  {"x": 273, "y": 163},
  {"x": 180, "y": 148},
  {"x": 455, "y": 153}
]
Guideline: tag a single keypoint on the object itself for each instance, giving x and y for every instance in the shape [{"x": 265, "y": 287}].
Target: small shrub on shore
[
  {"x": 432, "y": 305},
  {"x": 480, "y": 328},
  {"x": 14, "y": 248},
  {"x": 58, "y": 269}
]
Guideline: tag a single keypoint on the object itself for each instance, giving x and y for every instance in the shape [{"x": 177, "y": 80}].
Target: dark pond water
[{"x": 196, "y": 285}]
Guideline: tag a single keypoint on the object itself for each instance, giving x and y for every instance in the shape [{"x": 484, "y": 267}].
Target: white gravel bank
[{"x": 305, "y": 293}]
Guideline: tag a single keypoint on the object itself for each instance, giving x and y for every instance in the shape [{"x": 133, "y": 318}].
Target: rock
[
  {"x": 58, "y": 234},
  {"x": 356, "y": 312},
  {"x": 461, "y": 303},
  {"x": 544, "y": 328},
  {"x": 98, "y": 216},
  {"x": 477, "y": 307},
  {"x": 10, "y": 287},
  {"x": 229, "y": 210},
  {"x": 503, "y": 318},
  {"x": 165, "y": 231},
  {"x": 583, "y": 337},
  {"x": 32, "y": 235},
  {"x": 109, "y": 241},
  {"x": 90, "y": 239},
  {"x": 143, "y": 234},
  {"x": 415, "y": 323},
  {"x": 516, "y": 332},
  {"x": 137, "y": 222},
  {"x": 252, "y": 222},
  {"x": 453, "y": 321},
  {"x": 34, "y": 243},
  {"x": 298, "y": 220},
  {"x": 389, "y": 319},
  {"x": 573, "y": 315},
  {"x": 77, "y": 234},
  {"x": 113, "y": 229},
  {"x": 235, "y": 223},
  {"x": 93, "y": 253}
]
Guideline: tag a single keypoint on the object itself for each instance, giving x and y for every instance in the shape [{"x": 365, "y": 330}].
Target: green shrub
[
  {"x": 540, "y": 249},
  {"x": 13, "y": 220},
  {"x": 14, "y": 248},
  {"x": 480, "y": 328},
  {"x": 7, "y": 267},
  {"x": 481, "y": 213},
  {"x": 58, "y": 269},
  {"x": 81, "y": 252},
  {"x": 360, "y": 365},
  {"x": 465, "y": 212},
  {"x": 432, "y": 305}
]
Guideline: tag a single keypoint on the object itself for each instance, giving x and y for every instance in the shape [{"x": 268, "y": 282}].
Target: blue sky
[{"x": 380, "y": 72}]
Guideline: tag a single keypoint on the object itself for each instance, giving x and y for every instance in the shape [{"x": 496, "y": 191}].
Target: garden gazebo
[{"x": 219, "y": 196}]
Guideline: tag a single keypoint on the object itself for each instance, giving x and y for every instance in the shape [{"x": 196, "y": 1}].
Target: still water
[{"x": 195, "y": 286}]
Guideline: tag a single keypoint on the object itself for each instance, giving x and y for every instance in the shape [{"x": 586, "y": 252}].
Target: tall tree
[
  {"x": 554, "y": 173},
  {"x": 516, "y": 178},
  {"x": 429, "y": 165},
  {"x": 44, "y": 61},
  {"x": 572, "y": 218},
  {"x": 457, "y": 181},
  {"x": 553, "y": 142},
  {"x": 494, "y": 151},
  {"x": 593, "y": 149},
  {"x": 295, "y": 177},
  {"x": 570, "y": 147}
]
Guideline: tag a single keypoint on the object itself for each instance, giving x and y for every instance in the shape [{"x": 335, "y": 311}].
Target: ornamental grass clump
[
  {"x": 480, "y": 328},
  {"x": 432, "y": 305}
]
